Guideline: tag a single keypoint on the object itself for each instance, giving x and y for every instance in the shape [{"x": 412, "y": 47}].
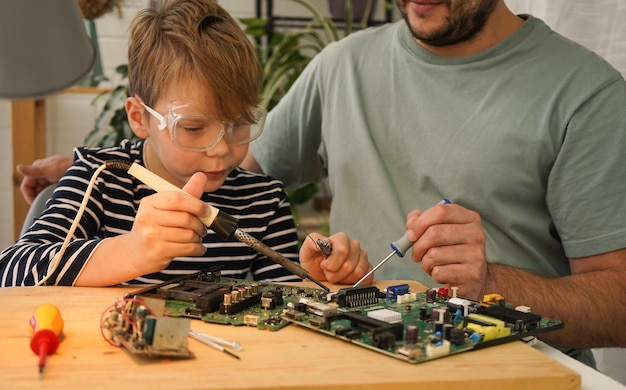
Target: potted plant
[
  {"x": 287, "y": 52},
  {"x": 283, "y": 58},
  {"x": 111, "y": 126}
]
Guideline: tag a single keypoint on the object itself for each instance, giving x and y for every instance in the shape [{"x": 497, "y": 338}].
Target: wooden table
[{"x": 293, "y": 357}]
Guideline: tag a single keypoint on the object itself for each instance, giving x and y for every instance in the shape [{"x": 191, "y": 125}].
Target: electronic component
[
  {"x": 357, "y": 296},
  {"x": 132, "y": 324},
  {"x": 437, "y": 348},
  {"x": 320, "y": 309},
  {"x": 386, "y": 315},
  {"x": 393, "y": 292},
  {"x": 489, "y": 328},
  {"x": 518, "y": 319}
]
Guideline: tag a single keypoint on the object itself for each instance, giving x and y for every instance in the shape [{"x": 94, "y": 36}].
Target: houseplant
[
  {"x": 286, "y": 53},
  {"x": 111, "y": 125}
]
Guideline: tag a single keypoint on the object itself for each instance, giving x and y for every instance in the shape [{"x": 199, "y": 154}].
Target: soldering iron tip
[{"x": 318, "y": 283}]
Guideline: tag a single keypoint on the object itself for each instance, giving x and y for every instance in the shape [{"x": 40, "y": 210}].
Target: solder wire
[{"x": 54, "y": 263}]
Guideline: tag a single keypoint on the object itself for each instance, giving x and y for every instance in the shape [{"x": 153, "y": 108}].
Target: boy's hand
[
  {"x": 167, "y": 226},
  {"x": 346, "y": 264}
]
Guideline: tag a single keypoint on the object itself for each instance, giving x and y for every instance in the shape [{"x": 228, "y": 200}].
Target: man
[{"x": 520, "y": 128}]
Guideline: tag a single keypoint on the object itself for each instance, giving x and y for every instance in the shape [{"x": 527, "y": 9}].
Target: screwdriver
[
  {"x": 46, "y": 325},
  {"x": 220, "y": 222},
  {"x": 400, "y": 246}
]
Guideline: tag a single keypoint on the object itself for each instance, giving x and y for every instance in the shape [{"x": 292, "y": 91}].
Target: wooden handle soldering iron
[{"x": 220, "y": 222}]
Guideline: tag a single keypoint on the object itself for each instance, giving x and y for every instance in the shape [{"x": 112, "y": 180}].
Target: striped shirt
[{"x": 258, "y": 202}]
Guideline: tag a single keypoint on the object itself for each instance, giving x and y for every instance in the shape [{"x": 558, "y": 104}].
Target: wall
[{"x": 598, "y": 25}]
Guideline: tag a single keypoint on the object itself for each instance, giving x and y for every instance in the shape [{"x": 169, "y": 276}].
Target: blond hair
[{"x": 194, "y": 40}]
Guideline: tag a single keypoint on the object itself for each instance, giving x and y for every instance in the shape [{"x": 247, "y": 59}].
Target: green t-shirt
[{"x": 531, "y": 134}]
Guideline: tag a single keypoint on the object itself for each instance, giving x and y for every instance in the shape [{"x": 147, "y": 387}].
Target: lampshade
[{"x": 44, "y": 47}]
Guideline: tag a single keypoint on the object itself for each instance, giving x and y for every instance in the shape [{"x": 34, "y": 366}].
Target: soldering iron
[{"x": 223, "y": 224}]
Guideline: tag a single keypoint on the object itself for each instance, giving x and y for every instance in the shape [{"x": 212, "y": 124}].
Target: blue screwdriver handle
[{"x": 401, "y": 245}]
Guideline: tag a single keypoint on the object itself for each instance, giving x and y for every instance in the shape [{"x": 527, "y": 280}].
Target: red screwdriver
[{"x": 46, "y": 325}]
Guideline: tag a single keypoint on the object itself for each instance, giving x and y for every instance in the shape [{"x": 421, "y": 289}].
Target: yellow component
[
  {"x": 490, "y": 328},
  {"x": 489, "y": 298}
]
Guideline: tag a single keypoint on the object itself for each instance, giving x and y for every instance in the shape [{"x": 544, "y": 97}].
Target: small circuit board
[
  {"x": 413, "y": 327},
  {"x": 141, "y": 327}
]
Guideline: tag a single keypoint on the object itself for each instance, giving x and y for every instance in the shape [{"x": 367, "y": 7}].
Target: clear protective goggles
[{"x": 200, "y": 133}]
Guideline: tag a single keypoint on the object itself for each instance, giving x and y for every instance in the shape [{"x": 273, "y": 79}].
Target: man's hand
[
  {"x": 346, "y": 264},
  {"x": 41, "y": 174},
  {"x": 449, "y": 241}
]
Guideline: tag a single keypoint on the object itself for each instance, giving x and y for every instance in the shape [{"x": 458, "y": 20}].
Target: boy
[{"x": 194, "y": 81}]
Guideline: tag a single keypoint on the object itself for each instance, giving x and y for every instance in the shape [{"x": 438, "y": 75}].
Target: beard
[{"x": 464, "y": 21}]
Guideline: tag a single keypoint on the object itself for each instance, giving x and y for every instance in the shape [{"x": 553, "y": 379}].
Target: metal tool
[
  {"x": 399, "y": 247},
  {"x": 216, "y": 343},
  {"x": 220, "y": 222}
]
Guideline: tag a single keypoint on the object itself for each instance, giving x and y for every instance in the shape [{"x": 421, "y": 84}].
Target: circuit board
[
  {"x": 413, "y": 327},
  {"x": 418, "y": 327},
  {"x": 210, "y": 297}
]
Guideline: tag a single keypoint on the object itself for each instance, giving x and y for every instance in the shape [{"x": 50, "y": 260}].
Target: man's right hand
[{"x": 42, "y": 173}]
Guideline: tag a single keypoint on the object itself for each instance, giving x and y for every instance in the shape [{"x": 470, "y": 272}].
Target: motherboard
[{"x": 411, "y": 326}]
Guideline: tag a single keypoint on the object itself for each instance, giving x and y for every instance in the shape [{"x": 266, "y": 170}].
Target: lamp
[{"x": 44, "y": 47}]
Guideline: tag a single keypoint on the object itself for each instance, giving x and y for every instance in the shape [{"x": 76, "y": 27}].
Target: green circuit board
[
  {"x": 413, "y": 327},
  {"x": 418, "y": 327},
  {"x": 210, "y": 297}
]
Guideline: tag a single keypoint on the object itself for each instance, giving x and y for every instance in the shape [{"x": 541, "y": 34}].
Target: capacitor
[
  {"x": 411, "y": 334},
  {"x": 431, "y": 295},
  {"x": 446, "y": 331}
]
